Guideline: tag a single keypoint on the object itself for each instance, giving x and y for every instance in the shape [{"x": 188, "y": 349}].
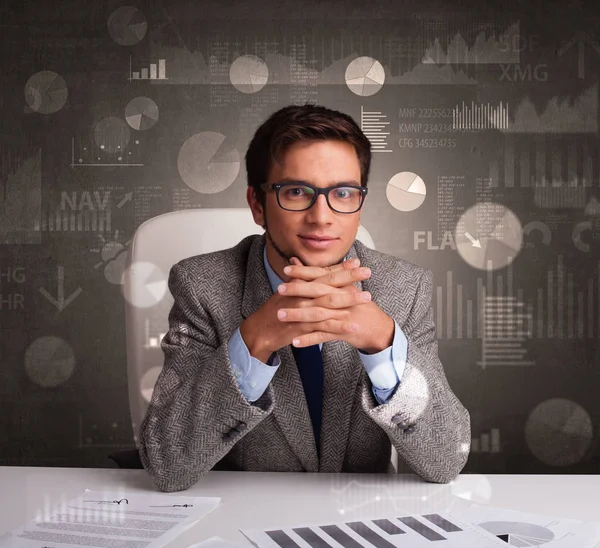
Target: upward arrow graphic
[{"x": 581, "y": 39}]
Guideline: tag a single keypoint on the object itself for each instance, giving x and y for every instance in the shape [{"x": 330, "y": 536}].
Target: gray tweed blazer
[{"x": 199, "y": 420}]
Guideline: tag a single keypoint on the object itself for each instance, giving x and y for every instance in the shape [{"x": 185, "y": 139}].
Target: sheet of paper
[
  {"x": 110, "y": 519},
  {"x": 525, "y": 529},
  {"x": 414, "y": 531},
  {"x": 217, "y": 542}
]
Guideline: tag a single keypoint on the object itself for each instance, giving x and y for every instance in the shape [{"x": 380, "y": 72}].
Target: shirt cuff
[
  {"x": 252, "y": 375},
  {"x": 385, "y": 368}
]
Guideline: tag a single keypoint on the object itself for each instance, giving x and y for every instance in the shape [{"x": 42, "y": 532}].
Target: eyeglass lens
[{"x": 298, "y": 197}]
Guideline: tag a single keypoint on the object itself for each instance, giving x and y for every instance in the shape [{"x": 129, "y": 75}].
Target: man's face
[{"x": 322, "y": 164}]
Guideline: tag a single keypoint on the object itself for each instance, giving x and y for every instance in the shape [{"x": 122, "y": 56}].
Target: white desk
[{"x": 250, "y": 499}]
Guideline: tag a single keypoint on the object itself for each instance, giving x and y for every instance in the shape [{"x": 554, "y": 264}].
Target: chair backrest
[{"x": 156, "y": 246}]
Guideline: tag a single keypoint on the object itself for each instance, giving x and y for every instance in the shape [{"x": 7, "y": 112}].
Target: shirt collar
[{"x": 273, "y": 278}]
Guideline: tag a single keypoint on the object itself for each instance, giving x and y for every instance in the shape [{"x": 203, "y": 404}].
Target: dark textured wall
[{"x": 487, "y": 172}]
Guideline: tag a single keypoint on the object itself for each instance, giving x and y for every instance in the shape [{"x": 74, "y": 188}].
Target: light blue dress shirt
[{"x": 384, "y": 368}]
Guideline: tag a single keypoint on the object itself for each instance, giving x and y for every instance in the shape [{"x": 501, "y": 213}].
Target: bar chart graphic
[
  {"x": 487, "y": 442},
  {"x": 479, "y": 117},
  {"x": 154, "y": 71},
  {"x": 385, "y": 532},
  {"x": 373, "y": 124},
  {"x": 580, "y": 318},
  {"x": 84, "y": 220},
  {"x": 555, "y": 311},
  {"x": 559, "y": 171}
]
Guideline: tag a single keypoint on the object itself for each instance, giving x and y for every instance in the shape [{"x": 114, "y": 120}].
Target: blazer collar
[{"x": 342, "y": 371}]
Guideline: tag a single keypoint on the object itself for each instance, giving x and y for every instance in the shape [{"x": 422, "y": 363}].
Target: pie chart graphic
[
  {"x": 249, "y": 74},
  {"x": 516, "y": 533},
  {"x": 46, "y": 92},
  {"x": 406, "y": 191},
  {"x": 127, "y": 26},
  {"x": 141, "y": 113},
  {"x": 147, "y": 285},
  {"x": 49, "y": 361},
  {"x": 488, "y": 236},
  {"x": 559, "y": 432},
  {"x": 365, "y": 76},
  {"x": 208, "y": 162}
]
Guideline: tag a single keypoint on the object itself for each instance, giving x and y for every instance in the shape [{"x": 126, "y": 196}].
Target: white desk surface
[{"x": 252, "y": 499}]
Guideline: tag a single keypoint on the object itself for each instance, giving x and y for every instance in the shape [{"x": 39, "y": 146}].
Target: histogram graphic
[
  {"x": 556, "y": 311},
  {"x": 372, "y": 124},
  {"x": 487, "y": 47},
  {"x": 155, "y": 71},
  {"x": 562, "y": 182},
  {"x": 486, "y": 442},
  {"x": 505, "y": 329},
  {"x": 480, "y": 116},
  {"x": 20, "y": 198},
  {"x": 558, "y": 116},
  {"x": 84, "y": 220},
  {"x": 554, "y": 320}
]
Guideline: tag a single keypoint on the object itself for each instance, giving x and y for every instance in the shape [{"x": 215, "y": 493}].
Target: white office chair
[{"x": 157, "y": 245}]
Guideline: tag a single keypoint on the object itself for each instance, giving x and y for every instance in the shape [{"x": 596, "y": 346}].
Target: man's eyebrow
[{"x": 343, "y": 183}]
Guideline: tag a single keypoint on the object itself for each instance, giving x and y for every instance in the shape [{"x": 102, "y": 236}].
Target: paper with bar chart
[
  {"x": 523, "y": 529},
  {"x": 385, "y": 532}
]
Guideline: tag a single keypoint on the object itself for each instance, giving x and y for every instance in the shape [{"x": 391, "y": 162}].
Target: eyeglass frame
[{"x": 317, "y": 191}]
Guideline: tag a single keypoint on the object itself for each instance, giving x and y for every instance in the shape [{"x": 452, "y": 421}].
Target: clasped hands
[{"x": 327, "y": 306}]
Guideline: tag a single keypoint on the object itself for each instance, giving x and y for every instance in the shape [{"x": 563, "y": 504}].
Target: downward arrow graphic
[
  {"x": 60, "y": 302},
  {"x": 474, "y": 241}
]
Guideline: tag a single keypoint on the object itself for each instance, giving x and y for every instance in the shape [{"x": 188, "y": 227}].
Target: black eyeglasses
[{"x": 297, "y": 196}]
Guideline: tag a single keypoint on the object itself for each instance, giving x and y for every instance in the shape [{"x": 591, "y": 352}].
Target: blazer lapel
[{"x": 290, "y": 409}]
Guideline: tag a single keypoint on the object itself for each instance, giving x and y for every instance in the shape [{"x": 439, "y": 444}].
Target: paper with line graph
[{"x": 412, "y": 530}]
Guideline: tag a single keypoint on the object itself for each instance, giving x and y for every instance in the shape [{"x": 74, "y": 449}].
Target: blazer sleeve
[
  {"x": 197, "y": 412},
  {"x": 425, "y": 421}
]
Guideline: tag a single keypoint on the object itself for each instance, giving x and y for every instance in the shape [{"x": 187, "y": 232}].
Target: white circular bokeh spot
[
  {"x": 148, "y": 381},
  {"x": 49, "y": 361},
  {"x": 488, "y": 236},
  {"x": 249, "y": 74},
  {"x": 146, "y": 284}
]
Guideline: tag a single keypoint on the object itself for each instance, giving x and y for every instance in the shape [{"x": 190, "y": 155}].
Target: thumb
[{"x": 296, "y": 262}]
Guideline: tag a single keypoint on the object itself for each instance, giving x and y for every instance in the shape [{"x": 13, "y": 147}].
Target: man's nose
[{"x": 321, "y": 208}]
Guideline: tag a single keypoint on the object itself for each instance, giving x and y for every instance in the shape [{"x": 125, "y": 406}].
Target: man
[{"x": 244, "y": 388}]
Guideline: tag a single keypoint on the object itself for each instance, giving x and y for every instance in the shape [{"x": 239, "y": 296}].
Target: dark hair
[{"x": 301, "y": 123}]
